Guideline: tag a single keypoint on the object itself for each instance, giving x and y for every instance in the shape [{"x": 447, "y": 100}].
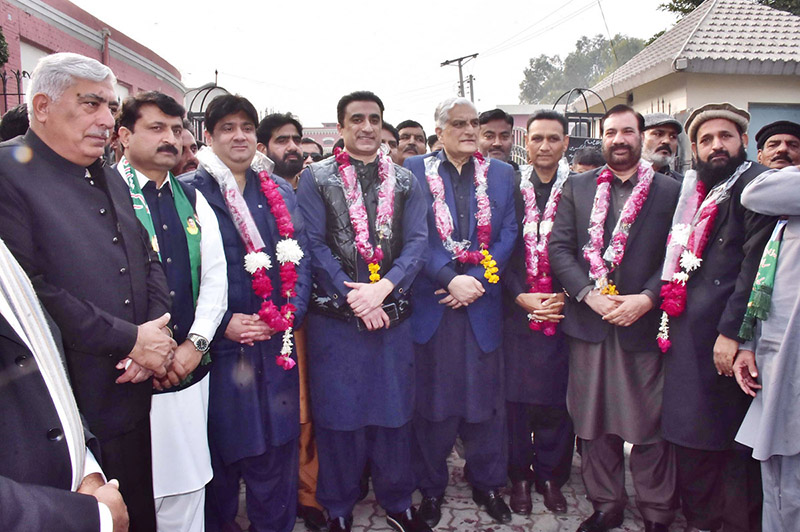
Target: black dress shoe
[
  {"x": 494, "y": 504},
  {"x": 652, "y": 526},
  {"x": 407, "y": 521},
  {"x": 313, "y": 518},
  {"x": 601, "y": 522},
  {"x": 430, "y": 510},
  {"x": 520, "y": 499},
  {"x": 553, "y": 498},
  {"x": 340, "y": 524}
]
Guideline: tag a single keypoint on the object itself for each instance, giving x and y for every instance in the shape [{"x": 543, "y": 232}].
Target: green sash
[
  {"x": 761, "y": 295},
  {"x": 185, "y": 213}
]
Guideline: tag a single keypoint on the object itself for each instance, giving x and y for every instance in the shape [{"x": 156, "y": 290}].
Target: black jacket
[
  {"x": 640, "y": 268},
  {"x": 91, "y": 264}
]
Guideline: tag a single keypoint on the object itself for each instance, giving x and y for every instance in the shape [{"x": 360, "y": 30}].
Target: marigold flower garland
[
  {"x": 536, "y": 230},
  {"x": 358, "y": 213},
  {"x": 288, "y": 253},
  {"x": 444, "y": 218},
  {"x": 598, "y": 270}
]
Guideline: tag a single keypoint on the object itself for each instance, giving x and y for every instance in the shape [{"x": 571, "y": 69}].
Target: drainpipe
[{"x": 106, "y": 55}]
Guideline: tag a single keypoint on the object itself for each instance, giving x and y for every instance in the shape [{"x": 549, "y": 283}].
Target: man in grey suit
[{"x": 611, "y": 321}]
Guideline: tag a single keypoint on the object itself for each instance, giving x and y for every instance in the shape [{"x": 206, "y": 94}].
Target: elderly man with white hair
[
  {"x": 70, "y": 223},
  {"x": 457, "y": 319}
]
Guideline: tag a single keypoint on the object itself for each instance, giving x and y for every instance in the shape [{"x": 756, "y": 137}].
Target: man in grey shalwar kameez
[{"x": 772, "y": 424}]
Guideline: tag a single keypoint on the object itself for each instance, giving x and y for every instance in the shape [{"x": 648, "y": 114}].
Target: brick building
[{"x": 35, "y": 28}]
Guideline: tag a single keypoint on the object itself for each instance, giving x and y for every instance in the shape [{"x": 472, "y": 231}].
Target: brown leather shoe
[
  {"x": 553, "y": 498},
  {"x": 520, "y": 500}
]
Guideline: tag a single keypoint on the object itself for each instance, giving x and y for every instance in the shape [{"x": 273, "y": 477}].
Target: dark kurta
[
  {"x": 253, "y": 402},
  {"x": 536, "y": 366},
  {"x": 703, "y": 410},
  {"x": 360, "y": 378}
]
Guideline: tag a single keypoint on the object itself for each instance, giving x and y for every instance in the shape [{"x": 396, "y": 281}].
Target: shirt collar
[{"x": 142, "y": 179}]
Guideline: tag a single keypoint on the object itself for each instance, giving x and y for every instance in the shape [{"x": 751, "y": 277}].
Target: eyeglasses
[{"x": 316, "y": 157}]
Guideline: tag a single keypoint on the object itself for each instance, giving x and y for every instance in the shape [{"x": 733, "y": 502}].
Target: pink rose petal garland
[
  {"x": 536, "y": 230},
  {"x": 358, "y": 213},
  {"x": 598, "y": 270},
  {"x": 690, "y": 232},
  {"x": 288, "y": 253},
  {"x": 444, "y": 218}
]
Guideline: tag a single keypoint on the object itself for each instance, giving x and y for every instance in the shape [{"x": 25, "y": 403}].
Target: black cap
[{"x": 780, "y": 127}]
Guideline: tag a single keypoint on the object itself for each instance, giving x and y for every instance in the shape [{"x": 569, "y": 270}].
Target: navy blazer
[
  {"x": 486, "y": 313},
  {"x": 236, "y": 412}
]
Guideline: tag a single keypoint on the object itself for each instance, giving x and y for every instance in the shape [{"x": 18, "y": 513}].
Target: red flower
[
  {"x": 285, "y": 362},
  {"x": 262, "y": 286},
  {"x": 674, "y": 295},
  {"x": 664, "y": 344}
]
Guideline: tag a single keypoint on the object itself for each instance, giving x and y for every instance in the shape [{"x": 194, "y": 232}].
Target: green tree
[
  {"x": 3, "y": 49},
  {"x": 547, "y": 77},
  {"x": 683, "y": 7}
]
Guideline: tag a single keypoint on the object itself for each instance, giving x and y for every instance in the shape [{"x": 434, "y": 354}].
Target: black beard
[
  {"x": 288, "y": 169},
  {"x": 711, "y": 175}
]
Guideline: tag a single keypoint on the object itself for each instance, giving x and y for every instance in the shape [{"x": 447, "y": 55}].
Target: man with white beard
[{"x": 661, "y": 142}]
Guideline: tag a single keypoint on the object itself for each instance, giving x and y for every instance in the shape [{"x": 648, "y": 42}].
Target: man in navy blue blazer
[{"x": 457, "y": 319}]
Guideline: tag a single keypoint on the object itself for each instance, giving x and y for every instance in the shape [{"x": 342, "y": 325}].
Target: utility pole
[
  {"x": 460, "y": 61},
  {"x": 470, "y": 79}
]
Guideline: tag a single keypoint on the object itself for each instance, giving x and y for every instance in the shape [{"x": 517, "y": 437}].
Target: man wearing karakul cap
[{"x": 712, "y": 257}]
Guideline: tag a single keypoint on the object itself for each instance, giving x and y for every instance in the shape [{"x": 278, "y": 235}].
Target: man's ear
[
  {"x": 744, "y": 140},
  {"x": 262, "y": 148},
  {"x": 124, "y": 135},
  {"x": 41, "y": 106}
]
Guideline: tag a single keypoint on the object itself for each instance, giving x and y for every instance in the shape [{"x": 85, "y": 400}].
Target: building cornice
[{"x": 90, "y": 36}]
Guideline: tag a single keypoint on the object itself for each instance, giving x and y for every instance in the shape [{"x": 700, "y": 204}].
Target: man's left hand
[
  {"x": 630, "y": 308},
  {"x": 366, "y": 297},
  {"x": 724, "y": 352}
]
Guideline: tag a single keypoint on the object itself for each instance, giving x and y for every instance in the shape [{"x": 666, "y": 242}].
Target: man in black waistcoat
[
  {"x": 70, "y": 224},
  {"x": 184, "y": 231},
  {"x": 359, "y": 344}
]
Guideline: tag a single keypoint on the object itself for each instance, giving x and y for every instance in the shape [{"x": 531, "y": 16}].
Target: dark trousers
[
  {"x": 271, "y": 490},
  {"x": 720, "y": 487},
  {"x": 128, "y": 458},
  {"x": 485, "y": 449},
  {"x": 343, "y": 456},
  {"x": 652, "y": 468},
  {"x": 550, "y": 453}
]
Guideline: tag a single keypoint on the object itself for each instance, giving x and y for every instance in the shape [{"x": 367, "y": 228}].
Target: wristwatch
[{"x": 200, "y": 343}]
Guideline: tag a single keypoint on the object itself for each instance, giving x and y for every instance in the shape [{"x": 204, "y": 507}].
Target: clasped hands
[
  {"x": 155, "y": 354},
  {"x": 542, "y": 306},
  {"x": 366, "y": 300},
  {"x": 461, "y": 291},
  {"x": 622, "y": 311}
]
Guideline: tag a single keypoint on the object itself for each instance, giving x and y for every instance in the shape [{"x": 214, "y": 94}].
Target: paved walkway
[{"x": 459, "y": 513}]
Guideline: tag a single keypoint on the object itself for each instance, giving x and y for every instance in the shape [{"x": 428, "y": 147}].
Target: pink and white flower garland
[
  {"x": 444, "y": 218},
  {"x": 598, "y": 270},
  {"x": 288, "y": 254},
  {"x": 536, "y": 230},
  {"x": 358, "y": 213}
]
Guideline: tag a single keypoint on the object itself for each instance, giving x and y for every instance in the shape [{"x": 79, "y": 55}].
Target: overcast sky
[{"x": 302, "y": 56}]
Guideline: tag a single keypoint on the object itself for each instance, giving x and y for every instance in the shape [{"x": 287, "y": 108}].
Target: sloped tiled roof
[{"x": 719, "y": 37}]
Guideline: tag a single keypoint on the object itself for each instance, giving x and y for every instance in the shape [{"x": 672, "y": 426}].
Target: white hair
[
  {"x": 442, "y": 114},
  {"x": 56, "y": 72}
]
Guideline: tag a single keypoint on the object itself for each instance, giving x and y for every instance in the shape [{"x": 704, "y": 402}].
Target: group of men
[{"x": 306, "y": 324}]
